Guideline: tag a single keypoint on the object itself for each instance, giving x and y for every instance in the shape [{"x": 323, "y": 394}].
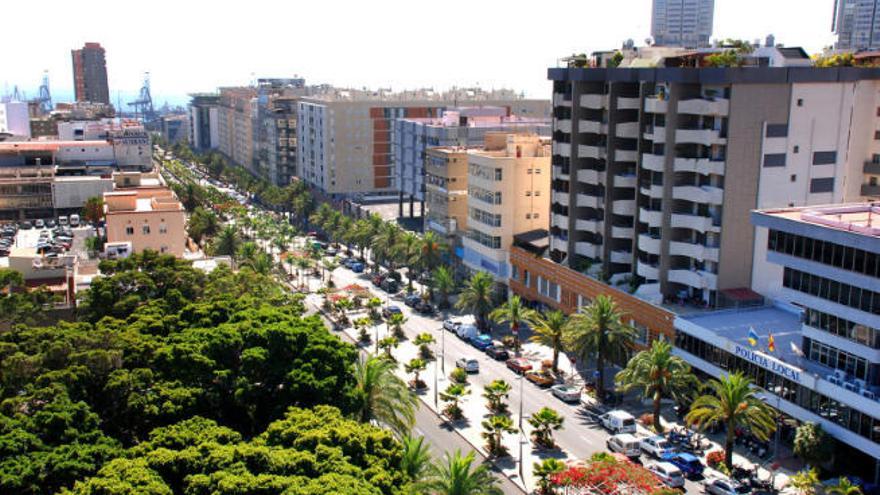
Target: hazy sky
[{"x": 193, "y": 45}]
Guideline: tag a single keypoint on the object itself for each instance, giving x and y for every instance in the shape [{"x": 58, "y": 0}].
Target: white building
[
  {"x": 15, "y": 119},
  {"x": 682, "y": 22}
]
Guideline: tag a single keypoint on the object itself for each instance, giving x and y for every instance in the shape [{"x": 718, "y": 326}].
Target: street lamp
[
  {"x": 521, "y": 432},
  {"x": 443, "y": 348}
]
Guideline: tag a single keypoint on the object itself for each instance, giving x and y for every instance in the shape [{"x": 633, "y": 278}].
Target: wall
[{"x": 73, "y": 192}]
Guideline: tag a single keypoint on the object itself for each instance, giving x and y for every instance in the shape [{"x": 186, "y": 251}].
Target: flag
[
  {"x": 771, "y": 344},
  {"x": 753, "y": 337},
  {"x": 795, "y": 349}
]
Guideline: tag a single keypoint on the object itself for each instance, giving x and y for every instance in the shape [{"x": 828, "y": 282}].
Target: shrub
[
  {"x": 458, "y": 375},
  {"x": 714, "y": 458}
]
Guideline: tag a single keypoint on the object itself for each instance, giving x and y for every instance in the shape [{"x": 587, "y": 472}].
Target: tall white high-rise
[
  {"x": 856, "y": 24},
  {"x": 682, "y": 22}
]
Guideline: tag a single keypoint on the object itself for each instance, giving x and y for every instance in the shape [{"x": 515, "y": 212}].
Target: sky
[{"x": 195, "y": 45}]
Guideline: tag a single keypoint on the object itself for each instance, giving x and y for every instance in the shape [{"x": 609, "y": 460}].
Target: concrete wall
[{"x": 72, "y": 192}]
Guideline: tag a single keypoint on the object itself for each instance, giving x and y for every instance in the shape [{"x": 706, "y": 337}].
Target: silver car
[{"x": 468, "y": 364}]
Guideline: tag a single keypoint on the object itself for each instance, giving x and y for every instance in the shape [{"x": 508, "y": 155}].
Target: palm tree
[
  {"x": 545, "y": 422},
  {"x": 408, "y": 252},
  {"x": 659, "y": 375},
  {"x": 494, "y": 429},
  {"x": 382, "y": 396},
  {"x": 424, "y": 341},
  {"x": 388, "y": 344},
  {"x": 415, "y": 461},
  {"x": 549, "y": 330},
  {"x": 543, "y": 471},
  {"x": 453, "y": 394},
  {"x": 455, "y": 477},
  {"x": 805, "y": 482},
  {"x": 514, "y": 313},
  {"x": 227, "y": 242},
  {"x": 431, "y": 250},
  {"x": 444, "y": 282},
  {"x": 416, "y": 366},
  {"x": 395, "y": 324},
  {"x": 735, "y": 404},
  {"x": 386, "y": 244},
  {"x": 495, "y": 393},
  {"x": 844, "y": 487},
  {"x": 597, "y": 330},
  {"x": 477, "y": 297}
]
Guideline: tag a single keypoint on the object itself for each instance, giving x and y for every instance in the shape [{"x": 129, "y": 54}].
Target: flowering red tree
[{"x": 607, "y": 477}]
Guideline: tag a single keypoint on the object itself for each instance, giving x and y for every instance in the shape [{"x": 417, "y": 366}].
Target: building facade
[
  {"x": 508, "y": 194},
  {"x": 855, "y": 22},
  {"x": 204, "y": 120},
  {"x": 15, "y": 119},
  {"x": 446, "y": 200},
  {"x": 90, "y": 74},
  {"x": 235, "y": 125},
  {"x": 686, "y": 23},
  {"x": 175, "y": 128},
  {"x": 275, "y": 128},
  {"x": 146, "y": 218}
]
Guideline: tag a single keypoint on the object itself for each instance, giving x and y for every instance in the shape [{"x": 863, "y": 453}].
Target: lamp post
[
  {"x": 521, "y": 432},
  {"x": 436, "y": 403},
  {"x": 443, "y": 348}
]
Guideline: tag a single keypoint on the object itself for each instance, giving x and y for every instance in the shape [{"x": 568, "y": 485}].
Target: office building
[
  {"x": 204, "y": 119},
  {"x": 345, "y": 136},
  {"x": 855, "y": 22},
  {"x": 235, "y": 129},
  {"x": 140, "y": 218},
  {"x": 90, "y": 74},
  {"x": 463, "y": 126},
  {"x": 686, "y": 23},
  {"x": 446, "y": 199},
  {"x": 508, "y": 194},
  {"x": 175, "y": 128},
  {"x": 15, "y": 119},
  {"x": 275, "y": 128}
]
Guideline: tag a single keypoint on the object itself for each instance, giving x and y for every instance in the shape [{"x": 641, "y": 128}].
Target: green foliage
[
  {"x": 545, "y": 422},
  {"x": 727, "y": 58},
  {"x": 514, "y": 313},
  {"x": 495, "y": 393},
  {"x": 458, "y": 375},
  {"x": 549, "y": 330},
  {"x": 615, "y": 59},
  {"x": 476, "y": 297},
  {"x": 457, "y": 476},
  {"x": 202, "y": 224},
  {"x": 805, "y": 482},
  {"x": 424, "y": 341},
  {"x": 381, "y": 396},
  {"x": 17, "y": 304},
  {"x": 544, "y": 470},
  {"x": 453, "y": 395},
  {"x": 812, "y": 444},
  {"x": 93, "y": 210},
  {"x": 494, "y": 429}
]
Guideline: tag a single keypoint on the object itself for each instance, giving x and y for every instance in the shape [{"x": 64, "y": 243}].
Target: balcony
[
  {"x": 704, "y": 166},
  {"x": 697, "y": 279},
  {"x": 693, "y": 222},
  {"x": 622, "y": 232},
  {"x": 586, "y": 201},
  {"x": 656, "y": 134},
  {"x": 625, "y": 180},
  {"x": 564, "y": 126},
  {"x": 586, "y": 151},
  {"x": 626, "y": 155},
  {"x": 654, "y": 163},
  {"x": 622, "y": 257},
  {"x": 557, "y": 220},
  {"x": 652, "y": 190},
  {"x": 582, "y": 225},
  {"x": 703, "y": 106},
  {"x": 699, "y": 194},
  {"x": 563, "y": 149},
  {"x": 654, "y": 218},
  {"x": 588, "y": 176},
  {"x": 596, "y": 102},
  {"x": 693, "y": 250},
  {"x": 706, "y": 137},
  {"x": 559, "y": 244},
  {"x": 558, "y": 173},
  {"x": 587, "y": 249},
  {"x": 656, "y": 105},
  {"x": 648, "y": 271},
  {"x": 561, "y": 198},
  {"x": 869, "y": 190},
  {"x": 559, "y": 100},
  {"x": 648, "y": 244},
  {"x": 628, "y": 130},
  {"x": 592, "y": 127},
  {"x": 625, "y": 103},
  {"x": 626, "y": 207},
  {"x": 872, "y": 168}
]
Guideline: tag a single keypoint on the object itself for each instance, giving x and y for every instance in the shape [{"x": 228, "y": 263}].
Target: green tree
[
  {"x": 415, "y": 460},
  {"x": 494, "y": 429},
  {"x": 843, "y": 487},
  {"x": 388, "y": 344},
  {"x": 416, "y": 366},
  {"x": 227, "y": 242},
  {"x": 93, "y": 210},
  {"x": 812, "y": 444},
  {"x": 424, "y": 341},
  {"x": 515, "y": 314},
  {"x": 382, "y": 396},
  {"x": 733, "y": 403},
  {"x": 805, "y": 482},
  {"x": 443, "y": 281},
  {"x": 395, "y": 324},
  {"x": 598, "y": 331},
  {"x": 544, "y": 470},
  {"x": 202, "y": 223},
  {"x": 549, "y": 330},
  {"x": 545, "y": 422},
  {"x": 453, "y": 395},
  {"x": 476, "y": 297},
  {"x": 658, "y": 374},
  {"x": 457, "y": 476},
  {"x": 495, "y": 393}
]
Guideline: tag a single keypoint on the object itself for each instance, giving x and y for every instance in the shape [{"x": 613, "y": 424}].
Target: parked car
[
  {"x": 357, "y": 267},
  {"x": 481, "y": 341},
  {"x": 624, "y": 443},
  {"x": 26, "y": 225},
  {"x": 424, "y": 308},
  {"x": 390, "y": 285},
  {"x": 466, "y": 331},
  {"x": 566, "y": 393},
  {"x": 689, "y": 464},
  {"x": 468, "y": 364},
  {"x": 519, "y": 365},
  {"x": 722, "y": 486},
  {"x": 618, "y": 421},
  {"x": 451, "y": 325},
  {"x": 656, "y": 446},
  {"x": 39, "y": 223},
  {"x": 74, "y": 220},
  {"x": 412, "y": 299},
  {"x": 541, "y": 378},
  {"x": 62, "y": 221},
  {"x": 50, "y": 223},
  {"x": 666, "y": 472},
  {"x": 330, "y": 251},
  {"x": 387, "y": 311},
  {"x": 497, "y": 352},
  {"x": 377, "y": 279}
]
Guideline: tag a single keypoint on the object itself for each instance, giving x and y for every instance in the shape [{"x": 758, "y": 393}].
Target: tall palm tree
[
  {"x": 227, "y": 242},
  {"x": 455, "y": 476},
  {"x": 477, "y": 297},
  {"x": 386, "y": 244},
  {"x": 432, "y": 248},
  {"x": 382, "y": 396},
  {"x": 659, "y": 375},
  {"x": 544, "y": 470},
  {"x": 805, "y": 481},
  {"x": 415, "y": 461},
  {"x": 443, "y": 281},
  {"x": 597, "y": 331},
  {"x": 408, "y": 253},
  {"x": 549, "y": 330},
  {"x": 734, "y": 403},
  {"x": 514, "y": 313}
]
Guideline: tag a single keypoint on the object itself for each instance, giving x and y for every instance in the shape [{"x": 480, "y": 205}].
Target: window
[
  {"x": 537, "y": 193},
  {"x": 824, "y": 157},
  {"x": 528, "y": 193},
  {"x": 163, "y": 228},
  {"x": 129, "y": 230},
  {"x": 794, "y": 177},
  {"x": 537, "y": 171},
  {"x": 774, "y": 160},
  {"x": 800, "y": 103},
  {"x": 776, "y": 130},
  {"x": 824, "y": 185},
  {"x": 145, "y": 229},
  {"x": 498, "y": 174},
  {"x": 528, "y": 216},
  {"x": 535, "y": 215},
  {"x": 529, "y": 171},
  {"x": 796, "y": 149},
  {"x": 877, "y": 135}
]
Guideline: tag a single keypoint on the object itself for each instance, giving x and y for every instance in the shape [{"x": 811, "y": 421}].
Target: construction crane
[
  {"x": 144, "y": 104},
  {"x": 45, "y": 98}
]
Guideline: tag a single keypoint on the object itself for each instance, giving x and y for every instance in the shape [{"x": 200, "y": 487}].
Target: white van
[
  {"x": 618, "y": 421},
  {"x": 625, "y": 444},
  {"x": 466, "y": 331},
  {"x": 74, "y": 220}
]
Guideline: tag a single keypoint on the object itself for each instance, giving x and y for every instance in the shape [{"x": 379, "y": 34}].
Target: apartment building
[
  {"x": 175, "y": 128},
  {"x": 90, "y": 74},
  {"x": 855, "y": 22},
  {"x": 345, "y": 136},
  {"x": 143, "y": 218},
  {"x": 686, "y": 23},
  {"x": 275, "y": 128},
  {"x": 204, "y": 120},
  {"x": 446, "y": 199},
  {"x": 508, "y": 184},
  {"x": 462, "y": 126},
  {"x": 15, "y": 118},
  {"x": 236, "y": 111}
]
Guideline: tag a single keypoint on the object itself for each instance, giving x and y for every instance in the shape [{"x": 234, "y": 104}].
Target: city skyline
[{"x": 254, "y": 51}]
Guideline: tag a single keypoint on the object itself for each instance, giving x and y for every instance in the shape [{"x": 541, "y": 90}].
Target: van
[
  {"x": 74, "y": 220},
  {"x": 625, "y": 444},
  {"x": 618, "y": 421},
  {"x": 62, "y": 220},
  {"x": 466, "y": 331}
]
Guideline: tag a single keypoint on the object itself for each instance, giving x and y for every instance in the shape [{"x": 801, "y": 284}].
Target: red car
[{"x": 519, "y": 365}]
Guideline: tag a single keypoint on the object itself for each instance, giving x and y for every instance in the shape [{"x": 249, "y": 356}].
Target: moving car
[
  {"x": 390, "y": 310},
  {"x": 497, "y": 352},
  {"x": 722, "y": 486},
  {"x": 519, "y": 365},
  {"x": 666, "y": 472},
  {"x": 624, "y": 443},
  {"x": 481, "y": 342},
  {"x": 689, "y": 464},
  {"x": 412, "y": 300},
  {"x": 468, "y": 364},
  {"x": 390, "y": 285},
  {"x": 656, "y": 446},
  {"x": 541, "y": 378},
  {"x": 566, "y": 393},
  {"x": 618, "y": 421}
]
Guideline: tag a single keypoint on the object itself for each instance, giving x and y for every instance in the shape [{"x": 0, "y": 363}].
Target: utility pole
[{"x": 521, "y": 432}]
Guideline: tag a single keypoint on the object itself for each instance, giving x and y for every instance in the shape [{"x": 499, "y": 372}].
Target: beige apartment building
[
  {"x": 235, "y": 129},
  {"x": 145, "y": 218},
  {"x": 446, "y": 198},
  {"x": 508, "y": 194}
]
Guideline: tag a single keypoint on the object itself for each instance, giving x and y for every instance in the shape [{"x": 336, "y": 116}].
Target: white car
[
  {"x": 666, "y": 472},
  {"x": 656, "y": 446},
  {"x": 566, "y": 393},
  {"x": 625, "y": 444},
  {"x": 468, "y": 364},
  {"x": 451, "y": 325},
  {"x": 618, "y": 421},
  {"x": 722, "y": 486}
]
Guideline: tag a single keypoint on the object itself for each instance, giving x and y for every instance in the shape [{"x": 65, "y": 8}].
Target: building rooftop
[
  {"x": 425, "y": 94},
  {"x": 856, "y": 218},
  {"x": 19, "y": 146}
]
